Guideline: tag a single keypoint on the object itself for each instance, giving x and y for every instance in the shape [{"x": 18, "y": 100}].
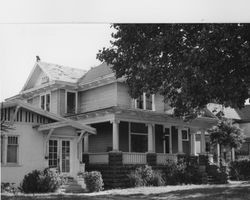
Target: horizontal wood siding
[
  {"x": 102, "y": 141},
  {"x": 159, "y": 104},
  {"x": 98, "y": 98},
  {"x": 54, "y": 102},
  {"x": 123, "y": 98},
  {"x": 62, "y": 101}
]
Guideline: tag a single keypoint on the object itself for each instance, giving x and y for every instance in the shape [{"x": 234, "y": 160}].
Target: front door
[{"x": 59, "y": 155}]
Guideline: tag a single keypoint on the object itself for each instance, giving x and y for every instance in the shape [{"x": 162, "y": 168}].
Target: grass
[{"x": 232, "y": 191}]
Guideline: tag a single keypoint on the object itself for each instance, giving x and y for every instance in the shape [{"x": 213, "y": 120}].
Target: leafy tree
[
  {"x": 189, "y": 64},
  {"x": 226, "y": 134}
]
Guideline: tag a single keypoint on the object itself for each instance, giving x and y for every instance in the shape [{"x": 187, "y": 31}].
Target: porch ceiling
[{"x": 141, "y": 116}]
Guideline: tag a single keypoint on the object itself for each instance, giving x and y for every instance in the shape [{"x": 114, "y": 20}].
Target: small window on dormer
[
  {"x": 139, "y": 102},
  {"x": 71, "y": 102},
  {"x": 148, "y": 102},
  {"x": 45, "y": 102}
]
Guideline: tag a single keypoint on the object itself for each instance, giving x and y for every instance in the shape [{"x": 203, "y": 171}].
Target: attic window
[
  {"x": 71, "y": 102},
  {"x": 45, "y": 79}
]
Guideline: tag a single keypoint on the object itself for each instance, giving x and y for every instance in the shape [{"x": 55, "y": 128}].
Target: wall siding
[
  {"x": 102, "y": 141},
  {"x": 62, "y": 101},
  {"x": 123, "y": 98},
  {"x": 98, "y": 98},
  {"x": 54, "y": 102}
]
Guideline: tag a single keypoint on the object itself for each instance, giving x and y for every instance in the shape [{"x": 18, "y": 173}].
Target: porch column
[
  {"x": 233, "y": 154},
  {"x": 218, "y": 152},
  {"x": 86, "y": 143},
  {"x": 180, "y": 147},
  {"x": 203, "y": 142},
  {"x": 153, "y": 102},
  {"x": 193, "y": 143},
  {"x": 170, "y": 141},
  {"x": 150, "y": 138},
  {"x": 144, "y": 101},
  {"x": 115, "y": 135},
  {"x": 4, "y": 149}
]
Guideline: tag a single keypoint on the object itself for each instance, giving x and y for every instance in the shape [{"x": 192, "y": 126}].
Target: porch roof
[
  {"x": 65, "y": 123},
  {"x": 141, "y": 116}
]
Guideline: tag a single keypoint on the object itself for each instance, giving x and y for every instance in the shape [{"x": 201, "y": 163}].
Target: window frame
[
  {"x": 145, "y": 101},
  {"x": 45, "y": 101},
  {"x": 135, "y": 133},
  {"x": 184, "y": 139},
  {"x": 66, "y": 101},
  {"x": 4, "y": 150}
]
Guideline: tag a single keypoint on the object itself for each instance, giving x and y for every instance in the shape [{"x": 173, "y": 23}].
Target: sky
[
  {"x": 70, "y": 32},
  {"x": 73, "y": 45}
]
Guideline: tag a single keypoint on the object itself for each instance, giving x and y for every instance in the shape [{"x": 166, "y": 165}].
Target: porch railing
[
  {"x": 99, "y": 158},
  {"x": 134, "y": 158},
  {"x": 162, "y": 158}
]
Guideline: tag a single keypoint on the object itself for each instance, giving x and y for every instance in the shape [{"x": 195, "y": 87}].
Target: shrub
[
  {"x": 39, "y": 181},
  {"x": 145, "y": 176},
  {"x": 182, "y": 172},
  {"x": 240, "y": 169},
  {"x": 219, "y": 173},
  {"x": 93, "y": 181},
  {"x": 9, "y": 188}
]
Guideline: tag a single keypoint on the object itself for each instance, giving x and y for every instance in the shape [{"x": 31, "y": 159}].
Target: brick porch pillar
[
  {"x": 115, "y": 158},
  {"x": 151, "y": 159}
]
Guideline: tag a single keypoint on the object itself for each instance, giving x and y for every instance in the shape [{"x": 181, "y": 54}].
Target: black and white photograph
[{"x": 109, "y": 100}]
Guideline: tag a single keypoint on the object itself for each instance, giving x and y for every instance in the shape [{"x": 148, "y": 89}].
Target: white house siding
[
  {"x": 61, "y": 101},
  {"x": 54, "y": 102},
  {"x": 102, "y": 141},
  {"x": 123, "y": 98},
  {"x": 31, "y": 154},
  {"x": 98, "y": 98}
]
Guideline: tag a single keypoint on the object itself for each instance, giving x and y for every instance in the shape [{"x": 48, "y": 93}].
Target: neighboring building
[{"x": 57, "y": 106}]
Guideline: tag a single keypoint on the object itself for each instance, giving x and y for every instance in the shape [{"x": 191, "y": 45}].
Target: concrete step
[{"x": 71, "y": 186}]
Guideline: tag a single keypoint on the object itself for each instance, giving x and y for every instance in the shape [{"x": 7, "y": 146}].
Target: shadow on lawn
[{"x": 231, "y": 192}]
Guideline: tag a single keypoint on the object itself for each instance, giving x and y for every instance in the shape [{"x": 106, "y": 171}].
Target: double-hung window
[
  {"x": 45, "y": 102},
  {"x": 145, "y": 102},
  {"x": 184, "y": 133},
  {"x": 138, "y": 137},
  {"x": 9, "y": 149}
]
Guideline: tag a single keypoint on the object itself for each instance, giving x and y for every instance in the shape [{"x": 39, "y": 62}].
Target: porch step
[{"x": 71, "y": 186}]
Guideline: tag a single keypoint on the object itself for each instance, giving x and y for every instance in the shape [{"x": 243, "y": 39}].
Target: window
[
  {"x": 12, "y": 149},
  {"x": 71, "y": 102},
  {"x": 138, "y": 137},
  {"x": 145, "y": 102},
  {"x": 45, "y": 102},
  {"x": 184, "y": 135}
]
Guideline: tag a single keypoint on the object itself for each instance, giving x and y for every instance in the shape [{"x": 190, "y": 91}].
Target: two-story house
[{"x": 65, "y": 116}]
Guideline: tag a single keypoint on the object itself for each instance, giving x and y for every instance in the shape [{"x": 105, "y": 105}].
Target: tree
[
  {"x": 189, "y": 64},
  {"x": 226, "y": 134}
]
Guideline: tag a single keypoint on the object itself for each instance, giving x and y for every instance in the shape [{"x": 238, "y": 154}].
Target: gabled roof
[
  {"x": 95, "y": 73},
  {"x": 61, "y": 73},
  {"x": 55, "y": 73},
  {"x": 231, "y": 113}
]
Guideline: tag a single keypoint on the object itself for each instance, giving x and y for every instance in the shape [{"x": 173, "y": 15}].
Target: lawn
[{"x": 232, "y": 191}]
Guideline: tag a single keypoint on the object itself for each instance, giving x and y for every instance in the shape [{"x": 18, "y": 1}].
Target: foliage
[
  {"x": 39, "y": 181},
  {"x": 145, "y": 176},
  {"x": 93, "y": 181},
  {"x": 191, "y": 65},
  {"x": 182, "y": 172},
  {"x": 219, "y": 173},
  {"x": 227, "y": 135},
  {"x": 240, "y": 169},
  {"x": 9, "y": 188}
]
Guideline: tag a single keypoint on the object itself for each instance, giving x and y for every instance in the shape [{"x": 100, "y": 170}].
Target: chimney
[{"x": 37, "y": 58}]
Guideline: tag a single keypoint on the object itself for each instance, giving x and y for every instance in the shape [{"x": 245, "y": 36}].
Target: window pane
[
  {"x": 71, "y": 102},
  {"x": 139, "y": 128},
  {"x": 149, "y": 102},
  {"x": 48, "y": 102},
  {"x": 42, "y": 102},
  {"x": 139, "y": 143},
  {"x": 12, "y": 154},
  {"x": 184, "y": 134},
  {"x": 140, "y": 102}
]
